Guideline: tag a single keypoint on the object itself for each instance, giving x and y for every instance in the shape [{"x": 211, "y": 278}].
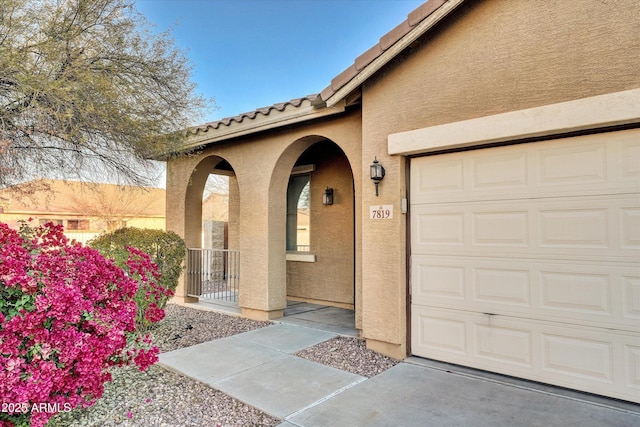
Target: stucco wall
[
  {"x": 503, "y": 55},
  {"x": 489, "y": 57},
  {"x": 234, "y": 214}
]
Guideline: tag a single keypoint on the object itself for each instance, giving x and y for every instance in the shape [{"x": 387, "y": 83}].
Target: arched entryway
[
  {"x": 212, "y": 232},
  {"x": 321, "y": 237}
]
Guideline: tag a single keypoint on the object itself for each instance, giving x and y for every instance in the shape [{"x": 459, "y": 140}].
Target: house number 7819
[{"x": 381, "y": 212}]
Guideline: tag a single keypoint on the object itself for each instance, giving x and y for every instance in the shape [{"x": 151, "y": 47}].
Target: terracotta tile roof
[
  {"x": 265, "y": 111},
  {"x": 361, "y": 62}
]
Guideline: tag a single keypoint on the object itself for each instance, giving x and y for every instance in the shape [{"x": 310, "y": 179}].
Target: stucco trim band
[{"x": 618, "y": 108}]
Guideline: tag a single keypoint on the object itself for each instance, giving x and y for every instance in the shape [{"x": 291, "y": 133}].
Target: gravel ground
[
  {"x": 159, "y": 397},
  {"x": 348, "y": 354},
  {"x": 185, "y": 326}
]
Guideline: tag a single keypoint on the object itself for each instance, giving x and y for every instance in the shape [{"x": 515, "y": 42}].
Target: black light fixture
[
  {"x": 377, "y": 173},
  {"x": 327, "y": 197}
]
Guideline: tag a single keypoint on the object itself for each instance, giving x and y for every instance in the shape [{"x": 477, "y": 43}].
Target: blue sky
[{"x": 249, "y": 54}]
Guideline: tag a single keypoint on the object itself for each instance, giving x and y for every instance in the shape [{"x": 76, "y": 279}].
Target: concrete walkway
[
  {"x": 330, "y": 319},
  {"x": 259, "y": 368}
]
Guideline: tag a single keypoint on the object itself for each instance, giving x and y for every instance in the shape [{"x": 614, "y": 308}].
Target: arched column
[
  {"x": 186, "y": 179},
  {"x": 263, "y": 294}
]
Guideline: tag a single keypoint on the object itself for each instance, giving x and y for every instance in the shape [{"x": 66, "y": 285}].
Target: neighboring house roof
[
  {"x": 84, "y": 199},
  {"x": 332, "y": 99}
]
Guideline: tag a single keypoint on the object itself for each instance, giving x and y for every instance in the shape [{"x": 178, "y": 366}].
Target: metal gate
[{"x": 213, "y": 273}]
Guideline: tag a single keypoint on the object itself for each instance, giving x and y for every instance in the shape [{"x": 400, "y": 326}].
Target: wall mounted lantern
[
  {"x": 327, "y": 197},
  {"x": 377, "y": 173}
]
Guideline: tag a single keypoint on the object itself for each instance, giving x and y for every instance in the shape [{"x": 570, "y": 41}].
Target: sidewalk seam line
[{"x": 325, "y": 398}]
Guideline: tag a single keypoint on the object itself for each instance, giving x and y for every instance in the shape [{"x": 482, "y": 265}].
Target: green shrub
[{"x": 166, "y": 249}]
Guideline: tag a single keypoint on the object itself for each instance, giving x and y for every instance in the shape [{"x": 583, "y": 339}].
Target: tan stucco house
[{"x": 505, "y": 234}]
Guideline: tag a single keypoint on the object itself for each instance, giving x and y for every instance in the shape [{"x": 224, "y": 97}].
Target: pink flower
[
  {"x": 13, "y": 364},
  {"x": 146, "y": 358},
  {"x": 154, "y": 313},
  {"x": 71, "y": 316}
]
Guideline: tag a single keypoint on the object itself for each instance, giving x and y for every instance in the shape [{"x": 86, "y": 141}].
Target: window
[
  {"x": 298, "y": 214},
  {"x": 78, "y": 224},
  {"x": 44, "y": 221}
]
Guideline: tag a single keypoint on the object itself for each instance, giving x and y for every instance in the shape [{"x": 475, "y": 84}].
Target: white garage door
[{"x": 525, "y": 260}]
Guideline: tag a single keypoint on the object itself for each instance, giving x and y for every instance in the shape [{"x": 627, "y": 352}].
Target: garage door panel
[
  {"x": 630, "y": 228},
  {"x": 442, "y": 281},
  {"x": 500, "y": 228},
  {"x": 590, "y": 359},
  {"x": 629, "y": 166},
  {"x": 605, "y": 294},
  {"x": 575, "y": 292},
  {"x": 439, "y": 227},
  {"x": 498, "y": 285},
  {"x": 576, "y": 164},
  {"x": 631, "y": 297},
  {"x": 503, "y": 344},
  {"x": 439, "y": 280},
  {"x": 581, "y": 227},
  {"x": 443, "y": 178},
  {"x": 582, "y": 358},
  {"x": 440, "y": 336},
  {"x": 462, "y": 337},
  {"x": 578, "y": 356},
  {"x": 584, "y": 293},
  {"x": 632, "y": 364},
  {"x": 575, "y": 228},
  {"x": 499, "y": 172},
  {"x": 590, "y": 164}
]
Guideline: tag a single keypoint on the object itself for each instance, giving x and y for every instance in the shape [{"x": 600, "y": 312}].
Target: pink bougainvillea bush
[{"x": 67, "y": 315}]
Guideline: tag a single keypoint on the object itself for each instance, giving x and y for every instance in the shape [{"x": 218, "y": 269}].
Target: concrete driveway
[{"x": 259, "y": 368}]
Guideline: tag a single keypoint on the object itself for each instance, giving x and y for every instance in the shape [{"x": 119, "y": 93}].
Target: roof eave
[
  {"x": 332, "y": 98},
  {"x": 289, "y": 116}
]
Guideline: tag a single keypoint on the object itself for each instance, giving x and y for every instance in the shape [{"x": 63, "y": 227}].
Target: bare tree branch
[{"x": 87, "y": 84}]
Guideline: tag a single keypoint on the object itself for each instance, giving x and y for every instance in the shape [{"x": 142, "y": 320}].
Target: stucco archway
[
  {"x": 324, "y": 274},
  {"x": 191, "y": 223},
  {"x": 193, "y": 198}
]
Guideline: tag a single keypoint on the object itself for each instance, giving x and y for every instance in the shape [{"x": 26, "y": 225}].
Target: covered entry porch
[
  {"x": 268, "y": 260},
  {"x": 213, "y": 276},
  {"x": 324, "y": 318}
]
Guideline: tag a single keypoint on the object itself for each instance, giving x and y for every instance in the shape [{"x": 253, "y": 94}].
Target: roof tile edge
[{"x": 228, "y": 121}]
